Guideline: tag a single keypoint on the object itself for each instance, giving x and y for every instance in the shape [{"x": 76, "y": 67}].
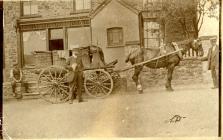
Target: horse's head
[
  {"x": 196, "y": 45},
  {"x": 188, "y": 44}
]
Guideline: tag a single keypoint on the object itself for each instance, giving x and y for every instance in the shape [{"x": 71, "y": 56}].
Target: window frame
[
  {"x": 146, "y": 39},
  {"x": 75, "y": 10},
  {"x": 22, "y": 48},
  {"x": 111, "y": 31},
  {"x": 22, "y": 15}
]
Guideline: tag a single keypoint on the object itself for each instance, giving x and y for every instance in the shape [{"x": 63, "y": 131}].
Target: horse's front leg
[
  {"x": 170, "y": 69},
  {"x": 136, "y": 78}
]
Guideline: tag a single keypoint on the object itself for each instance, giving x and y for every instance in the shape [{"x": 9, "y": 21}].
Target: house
[{"x": 113, "y": 32}]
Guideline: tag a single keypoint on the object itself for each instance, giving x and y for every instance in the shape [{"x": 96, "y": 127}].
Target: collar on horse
[{"x": 176, "y": 47}]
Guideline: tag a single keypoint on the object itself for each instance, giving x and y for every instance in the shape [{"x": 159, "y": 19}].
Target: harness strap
[{"x": 176, "y": 47}]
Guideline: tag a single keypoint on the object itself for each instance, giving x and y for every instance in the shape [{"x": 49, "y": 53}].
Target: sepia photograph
[{"x": 111, "y": 69}]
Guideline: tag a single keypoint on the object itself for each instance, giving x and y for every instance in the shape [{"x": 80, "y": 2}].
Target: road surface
[{"x": 119, "y": 115}]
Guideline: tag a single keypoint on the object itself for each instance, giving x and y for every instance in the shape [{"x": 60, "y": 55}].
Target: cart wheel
[
  {"x": 98, "y": 83},
  {"x": 116, "y": 78},
  {"x": 52, "y": 86}
]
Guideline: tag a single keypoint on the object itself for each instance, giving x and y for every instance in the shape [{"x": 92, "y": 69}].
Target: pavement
[{"x": 189, "y": 111}]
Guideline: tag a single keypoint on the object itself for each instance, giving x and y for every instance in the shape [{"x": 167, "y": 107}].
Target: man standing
[
  {"x": 213, "y": 61},
  {"x": 75, "y": 62},
  {"x": 16, "y": 78}
]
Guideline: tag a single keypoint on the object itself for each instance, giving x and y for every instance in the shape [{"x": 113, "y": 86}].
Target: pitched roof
[
  {"x": 127, "y": 5},
  {"x": 106, "y": 2}
]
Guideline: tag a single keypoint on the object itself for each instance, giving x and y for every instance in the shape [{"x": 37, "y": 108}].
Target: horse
[{"x": 169, "y": 62}]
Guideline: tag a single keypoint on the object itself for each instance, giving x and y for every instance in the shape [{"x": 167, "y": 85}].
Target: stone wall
[
  {"x": 11, "y": 14},
  {"x": 55, "y": 8},
  {"x": 188, "y": 72}
]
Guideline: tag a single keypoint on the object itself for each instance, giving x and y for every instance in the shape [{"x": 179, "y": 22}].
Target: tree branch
[{"x": 202, "y": 20}]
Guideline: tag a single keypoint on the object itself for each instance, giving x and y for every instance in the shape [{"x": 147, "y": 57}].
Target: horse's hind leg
[
  {"x": 136, "y": 78},
  {"x": 169, "y": 77}
]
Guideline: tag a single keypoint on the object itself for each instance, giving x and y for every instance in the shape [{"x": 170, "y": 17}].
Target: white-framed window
[
  {"x": 115, "y": 36},
  {"x": 80, "y": 5},
  {"x": 29, "y": 7}
]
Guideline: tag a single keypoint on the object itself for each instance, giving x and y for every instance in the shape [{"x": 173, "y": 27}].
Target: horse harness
[{"x": 176, "y": 47}]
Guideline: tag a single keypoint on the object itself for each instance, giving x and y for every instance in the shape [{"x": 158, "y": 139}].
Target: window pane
[
  {"x": 30, "y": 7},
  {"x": 34, "y": 9},
  {"x": 151, "y": 42},
  {"x": 56, "y": 34},
  {"x": 26, "y": 8},
  {"x": 151, "y": 34},
  {"x": 120, "y": 37},
  {"x": 110, "y": 36},
  {"x": 115, "y": 36},
  {"x": 33, "y": 41},
  {"x": 87, "y": 4},
  {"x": 78, "y": 37},
  {"x": 79, "y": 4},
  {"x": 82, "y": 4}
]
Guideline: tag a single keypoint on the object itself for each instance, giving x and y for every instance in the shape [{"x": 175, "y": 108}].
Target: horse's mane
[{"x": 133, "y": 52}]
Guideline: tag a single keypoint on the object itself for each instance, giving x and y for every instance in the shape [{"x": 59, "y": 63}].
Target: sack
[{"x": 69, "y": 77}]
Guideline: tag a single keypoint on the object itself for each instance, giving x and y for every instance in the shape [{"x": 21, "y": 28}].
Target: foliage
[{"x": 189, "y": 12}]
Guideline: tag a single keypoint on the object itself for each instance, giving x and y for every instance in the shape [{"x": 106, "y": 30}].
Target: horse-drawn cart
[{"x": 99, "y": 77}]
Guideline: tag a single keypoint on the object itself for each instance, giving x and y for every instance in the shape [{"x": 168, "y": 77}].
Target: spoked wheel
[
  {"x": 98, "y": 83},
  {"x": 52, "y": 85}
]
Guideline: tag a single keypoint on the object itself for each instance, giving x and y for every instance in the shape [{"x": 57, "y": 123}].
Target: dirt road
[{"x": 119, "y": 115}]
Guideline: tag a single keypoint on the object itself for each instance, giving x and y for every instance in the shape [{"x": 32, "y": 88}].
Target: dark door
[{"x": 56, "y": 44}]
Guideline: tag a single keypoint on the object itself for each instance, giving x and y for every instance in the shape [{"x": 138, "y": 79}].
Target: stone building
[{"x": 32, "y": 27}]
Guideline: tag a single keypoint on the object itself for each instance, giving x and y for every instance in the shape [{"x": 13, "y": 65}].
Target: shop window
[
  {"x": 33, "y": 41},
  {"x": 29, "y": 8},
  {"x": 115, "y": 36},
  {"x": 82, "y": 5},
  {"x": 78, "y": 37}
]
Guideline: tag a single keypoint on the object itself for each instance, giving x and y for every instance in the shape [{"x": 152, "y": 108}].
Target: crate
[{"x": 42, "y": 59}]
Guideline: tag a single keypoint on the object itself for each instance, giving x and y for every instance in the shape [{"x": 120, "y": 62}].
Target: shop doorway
[{"x": 56, "y": 44}]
